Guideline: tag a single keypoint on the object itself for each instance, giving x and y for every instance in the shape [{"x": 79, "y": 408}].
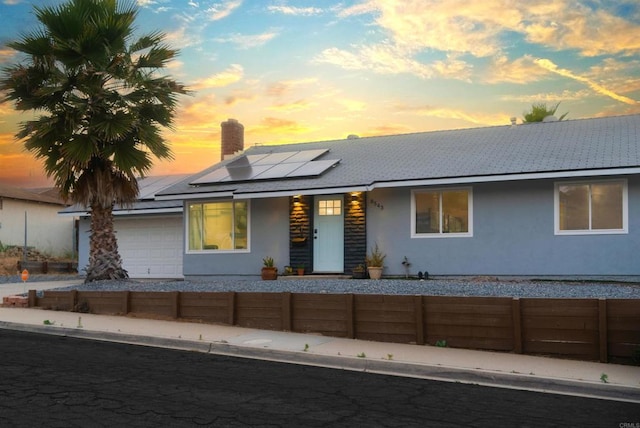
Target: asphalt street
[{"x": 57, "y": 381}]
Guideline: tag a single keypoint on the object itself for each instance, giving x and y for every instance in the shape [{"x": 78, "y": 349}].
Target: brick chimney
[{"x": 232, "y": 138}]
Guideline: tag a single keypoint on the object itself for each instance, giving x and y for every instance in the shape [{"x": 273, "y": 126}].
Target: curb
[{"x": 342, "y": 362}]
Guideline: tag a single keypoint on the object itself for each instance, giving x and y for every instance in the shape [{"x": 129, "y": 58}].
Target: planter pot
[
  {"x": 269, "y": 273},
  {"x": 375, "y": 272},
  {"x": 300, "y": 271},
  {"x": 358, "y": 274}
]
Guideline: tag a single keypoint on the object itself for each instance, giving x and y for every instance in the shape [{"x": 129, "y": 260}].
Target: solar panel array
[{"x": 270, "y": 166}]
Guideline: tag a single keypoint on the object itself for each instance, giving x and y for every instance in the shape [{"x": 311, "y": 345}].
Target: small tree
[
  {"x": 101, "y": 105},
  {"x": 539, "y": 111}
]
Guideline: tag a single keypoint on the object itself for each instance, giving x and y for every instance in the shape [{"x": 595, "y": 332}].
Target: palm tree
[
  {"x": 102, "y": 104},
  {"x": 539, "y": 111}
]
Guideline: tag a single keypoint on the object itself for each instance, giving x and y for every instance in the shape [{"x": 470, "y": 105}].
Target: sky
[{"x": 299, "y": 71}]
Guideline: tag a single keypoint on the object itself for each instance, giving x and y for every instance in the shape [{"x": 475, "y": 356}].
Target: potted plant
[
  {"x": 269, "y": 271},
  {"x": 375, "y": 262},
  {"x": 359, "y": 272},
  {"x": 300, "y": 269}
]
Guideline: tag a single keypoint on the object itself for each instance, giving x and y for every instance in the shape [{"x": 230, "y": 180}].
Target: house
[
  {"x": 35, "y": 213},
  {"x": 559, "y": 198},
  {"x": 149, "y": 232}
]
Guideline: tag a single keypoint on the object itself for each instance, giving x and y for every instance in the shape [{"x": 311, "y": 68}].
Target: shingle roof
[
  {"x": 561, "y": 147},
  {"x": 39, "y": 195},
  {"x": 148, "y": 187}
]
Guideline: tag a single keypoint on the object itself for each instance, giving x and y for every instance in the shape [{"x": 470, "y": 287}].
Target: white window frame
[
  {"x": 203, "y": 251},
  {"x": 625, "y": 208},
  {"x": 440, "y": 234}
]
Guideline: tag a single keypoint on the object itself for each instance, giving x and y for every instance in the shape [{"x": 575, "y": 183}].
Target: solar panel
[
  {"x": 275, "y": 158},
  {"x": 267, "y": 166},
  {"x": 279, "y": 171},
  {"x": 313, "y": 168},
  {"x": 307, "y": 155},
  {"x": 213, "y": 177},
  {"x": 246, "y": 173}
]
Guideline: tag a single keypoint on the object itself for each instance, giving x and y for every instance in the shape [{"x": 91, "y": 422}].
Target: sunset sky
[{"x": 298, "y": 71}]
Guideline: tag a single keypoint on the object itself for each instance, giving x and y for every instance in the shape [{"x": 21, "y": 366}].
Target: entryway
[{"x": 328, "y": 234}]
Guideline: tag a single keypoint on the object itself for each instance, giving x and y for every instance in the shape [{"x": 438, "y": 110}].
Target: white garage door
[{"x": 150, "y": 247}]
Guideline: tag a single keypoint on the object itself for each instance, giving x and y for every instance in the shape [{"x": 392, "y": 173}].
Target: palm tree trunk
[{"x": 104, "y": 260}]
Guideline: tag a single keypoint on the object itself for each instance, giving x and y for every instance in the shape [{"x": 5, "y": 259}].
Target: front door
[{"x": 328, "y": 234}]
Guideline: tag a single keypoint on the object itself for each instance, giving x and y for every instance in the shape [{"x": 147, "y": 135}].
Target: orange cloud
[
  {"x": 224, "y": 9},
  {"x": 522, "y": 70},
  {"x": 231, "y": 75},
  {"x": 549, "y": 65},
  {"x": 449, "y": 113},
  {"x": 293, "y": 106}
]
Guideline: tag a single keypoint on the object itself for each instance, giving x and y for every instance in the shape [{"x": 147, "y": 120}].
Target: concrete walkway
[{"x": 446, "y": 364}]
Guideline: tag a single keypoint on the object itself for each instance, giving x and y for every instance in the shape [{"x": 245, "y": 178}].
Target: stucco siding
[
  {"x": 269, "y": 236},
  {"x": 513, "y": 234},
  {"x": 47, "y": 231},
  {"x": 84, "y": 235}
]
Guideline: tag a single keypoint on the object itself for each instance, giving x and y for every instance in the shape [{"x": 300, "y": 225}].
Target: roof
[
  {"x": 600, "y": 146},
  {"x": 146, "y": 203},
  {"x": 45, "y": 196}
]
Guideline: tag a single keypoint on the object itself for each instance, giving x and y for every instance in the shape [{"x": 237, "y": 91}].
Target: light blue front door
[{"x": 328, "y": 234}]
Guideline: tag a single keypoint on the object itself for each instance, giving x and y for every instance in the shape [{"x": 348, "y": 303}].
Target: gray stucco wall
[
  {"x": 84, "y": 234},
  {"x": 513, "y": 234},
  {"x": 269, "y": 236}
]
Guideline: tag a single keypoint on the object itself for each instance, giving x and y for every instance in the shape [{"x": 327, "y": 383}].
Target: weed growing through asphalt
[
  {"x": 48, "y": 322},
  {"x": 389, "y": 357},
  {"x": 362, "y": 355},
  {"x": 604, "y": 378},
  {"x": 441, "y": 343},
  {"x": 306, "y": 347}
]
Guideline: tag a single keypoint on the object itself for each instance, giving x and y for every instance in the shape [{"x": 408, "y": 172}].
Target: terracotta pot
[
  {"x": 375, "y": 272},
  {"x": 300, "y": 271},
  {"x": 269, "y": 273}
]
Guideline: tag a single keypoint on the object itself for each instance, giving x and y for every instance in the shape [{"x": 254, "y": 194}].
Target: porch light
[
  {"x": 355, "y": 197},
  {"x": 296, "y": 199}
]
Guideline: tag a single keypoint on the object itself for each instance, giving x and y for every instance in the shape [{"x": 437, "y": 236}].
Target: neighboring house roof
[
  {"x": 45, "y": 196},
  {"x": 601, "y": 146},
  {"x": 146, "y": 203}
]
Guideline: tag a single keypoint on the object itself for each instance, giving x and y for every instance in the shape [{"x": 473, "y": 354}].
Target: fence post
[
  {"x": 351, "y": 328},
  {"x": 73, "y": 299},
  {"x": 175, "y": 303},
  {"x": 125, "y": 302},
  {"x": 516, "y": 319},
  {"x": 417, "y": 302},
  {"x": 602, "y": 329},
  {"x": 286, "y": 311},
  {"x": 231, "y": 308},
  {"x": 32, "y": 299}
]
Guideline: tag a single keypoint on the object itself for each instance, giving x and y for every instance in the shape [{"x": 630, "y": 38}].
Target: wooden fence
[
  {"x": 47, "y": 266},
  {"x": 606, "y": 330}
]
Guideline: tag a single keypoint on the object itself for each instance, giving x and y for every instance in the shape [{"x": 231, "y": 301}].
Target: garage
[{"x": 151, "y": 247}]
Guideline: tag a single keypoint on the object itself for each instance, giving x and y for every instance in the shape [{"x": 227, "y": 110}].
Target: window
[
  {"x": 218, "y": 226},
  {"x": 438, "y": 213},
  {"x": 330, "y": 207},
  {"x": 591, "y": 207}
]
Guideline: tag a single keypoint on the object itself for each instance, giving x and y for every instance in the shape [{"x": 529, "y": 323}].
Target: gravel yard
[{"x": 432, "y": 287}]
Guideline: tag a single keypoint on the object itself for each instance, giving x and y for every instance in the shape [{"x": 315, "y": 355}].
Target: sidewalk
[{"x": 445, "y": 364}]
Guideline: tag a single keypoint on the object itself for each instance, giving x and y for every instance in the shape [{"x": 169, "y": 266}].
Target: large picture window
[
  {"x": 591, "y": 207},
  {"x": 439, "y": 213},
  {"x": 218, "y": 226}
]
